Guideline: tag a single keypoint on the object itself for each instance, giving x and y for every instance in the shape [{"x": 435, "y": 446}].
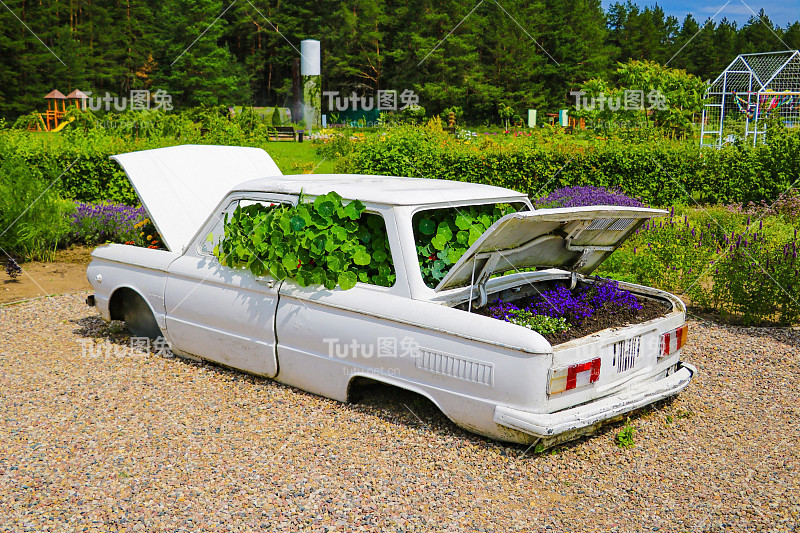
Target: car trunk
[{"x": 561, "y": 247}]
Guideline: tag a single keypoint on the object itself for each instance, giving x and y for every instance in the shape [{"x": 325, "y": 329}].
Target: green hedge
[{"x": 661, "y": 173}]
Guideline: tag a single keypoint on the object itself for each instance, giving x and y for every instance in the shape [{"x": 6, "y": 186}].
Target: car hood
[
  {"x": 572, "y": 238},
  {"x": 180, "y": 186}
]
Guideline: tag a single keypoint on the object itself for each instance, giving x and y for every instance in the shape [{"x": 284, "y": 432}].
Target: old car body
[{"x": 489, "y": 376}]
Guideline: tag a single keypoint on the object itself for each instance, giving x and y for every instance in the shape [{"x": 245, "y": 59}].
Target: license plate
[{"x": 625, "y": 354}]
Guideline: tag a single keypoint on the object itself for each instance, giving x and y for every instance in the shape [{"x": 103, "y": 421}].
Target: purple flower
[{"x": 587, "y": 195}]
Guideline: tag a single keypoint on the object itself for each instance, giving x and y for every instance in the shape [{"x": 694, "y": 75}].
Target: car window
[
  {"x": 218, "y": 230},
  {"x": 443, "y": 235},
  {"x": 372, "y": 235}
]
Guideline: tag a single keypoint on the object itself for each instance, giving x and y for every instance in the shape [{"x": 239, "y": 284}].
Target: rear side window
[
  {"x": 443, "y": 235},
  {"x": 218, "y": 231}
]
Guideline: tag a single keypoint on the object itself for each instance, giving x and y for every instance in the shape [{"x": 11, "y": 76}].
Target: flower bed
[{"x": 560, "y": 314}]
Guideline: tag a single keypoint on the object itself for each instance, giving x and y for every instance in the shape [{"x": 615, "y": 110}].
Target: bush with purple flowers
[
  {"x": 587, "y": 195},
  {"x": 721, "y": 259},
  {"x": 559, "y": 308},
  {"x": 99, "y": 223}
]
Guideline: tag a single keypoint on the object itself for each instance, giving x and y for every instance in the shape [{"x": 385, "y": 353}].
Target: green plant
[
  {"x": 543, "y": 324},
  {"x": 444, "y": 235},
  {"x": 327, "y": 242},
  {"x": 32, "y": 216},
  {"x": 624, "y": 439}
]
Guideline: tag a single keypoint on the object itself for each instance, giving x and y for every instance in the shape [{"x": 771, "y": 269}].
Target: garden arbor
[{"x": 751, "y": 90}]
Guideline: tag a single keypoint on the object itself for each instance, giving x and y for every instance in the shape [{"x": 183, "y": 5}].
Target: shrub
[
  {"x": 99, "y": 223},
  {"x": 658, "y": 172},
  {"x": 32, "y": 215},
  {"x": 585, "y": 196},
  {"x": 721, "y": 259}
]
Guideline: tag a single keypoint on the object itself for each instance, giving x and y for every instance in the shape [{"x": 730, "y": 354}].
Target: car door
[{"x": 219, "y": 313}]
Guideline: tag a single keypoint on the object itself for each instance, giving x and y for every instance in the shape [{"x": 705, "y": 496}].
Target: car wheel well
[
  {"x": 358, "y": 385},
  {"x": 130, "y": 306},
  {"x": 116, "y": 304}
]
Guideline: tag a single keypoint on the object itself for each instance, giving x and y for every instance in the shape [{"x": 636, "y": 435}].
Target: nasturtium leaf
[
  {"x": 437, "y": 271},
  {"x": 485, "y": 220},
  {"x": 462, "y": 237},
  {"x": 339, "y": 232},
  {"x": 347, "y": 280},
  {"x": 463, "y": 222},
  {"x": 326, "y": 209},
  {"x": 439, "y": 241},
  {"x": 335, "y": 262},
  {"x": 375, "y": 222},
  {"x": 378, "y": 245},
  {"x": 330, "y": 280},
  {"x": 361, "y": 257},
  {"x": 318, "y": 275},
  {"x": 304, "y": 278},
  {"x": 318, "y": 244},
  {"x": 277, "y": 270},
  {"x": 289, "y": 262},
  {"x": 351, "y": 211},
  {"x": 297, "y": 223},
  {"x": 444, "y": 230},
  {"x": 474, "y": 233},
  {"x": 454, "y": 254},
  {"x": 427, "y": 226},
  {"x": 379, "y": 256}
]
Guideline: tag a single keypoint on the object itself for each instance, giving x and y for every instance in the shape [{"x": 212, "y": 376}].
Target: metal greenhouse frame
[{"x": 754, "y": 88}]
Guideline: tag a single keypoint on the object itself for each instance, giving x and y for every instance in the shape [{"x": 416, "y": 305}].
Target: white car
[{"x": 488, "y": 376}]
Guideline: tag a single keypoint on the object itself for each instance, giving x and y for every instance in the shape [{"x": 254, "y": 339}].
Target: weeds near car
[{"x": 624, "y": 438}]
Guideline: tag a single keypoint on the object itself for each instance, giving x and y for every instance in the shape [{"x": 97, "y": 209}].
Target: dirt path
[{"x": 66, "y": 274}]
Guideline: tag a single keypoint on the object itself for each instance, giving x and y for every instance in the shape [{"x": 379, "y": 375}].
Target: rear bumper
[{"x": 551, "y": 424}]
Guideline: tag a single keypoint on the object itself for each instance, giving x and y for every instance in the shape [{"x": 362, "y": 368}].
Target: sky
[{"x": 780, "y": 12}]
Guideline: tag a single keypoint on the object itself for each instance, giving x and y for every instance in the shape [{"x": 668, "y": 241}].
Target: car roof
[{"x": 390, "y": 190}]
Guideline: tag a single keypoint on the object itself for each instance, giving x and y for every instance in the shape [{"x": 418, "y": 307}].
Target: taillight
[
  {"x": 574, "y": 376},
  {"x": 672, "y": 341}
]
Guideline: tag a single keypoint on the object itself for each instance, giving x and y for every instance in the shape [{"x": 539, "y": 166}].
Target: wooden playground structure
[{"x": 53, "y": 119}]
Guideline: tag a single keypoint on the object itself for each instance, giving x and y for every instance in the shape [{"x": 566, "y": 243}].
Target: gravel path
[{"x": 145, "y": 443}]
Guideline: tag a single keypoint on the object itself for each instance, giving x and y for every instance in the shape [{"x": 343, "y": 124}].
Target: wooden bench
[{"x": 279, "y": 133}]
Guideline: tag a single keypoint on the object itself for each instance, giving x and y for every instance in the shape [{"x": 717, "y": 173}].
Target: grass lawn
[{"x": 298, "y": 158}]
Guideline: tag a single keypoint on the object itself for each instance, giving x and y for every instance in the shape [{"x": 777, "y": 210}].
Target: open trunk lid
[
  {"x": 180, "y": 186},
  {"x": 572, "y": 238}
]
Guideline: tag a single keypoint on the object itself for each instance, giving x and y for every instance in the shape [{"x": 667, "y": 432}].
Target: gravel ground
[{"x": 145, "y": 443}]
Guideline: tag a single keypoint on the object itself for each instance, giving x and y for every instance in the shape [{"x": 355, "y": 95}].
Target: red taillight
[
  {"x": 674, "y": 340},
  {"x": 574, "y": 376}
]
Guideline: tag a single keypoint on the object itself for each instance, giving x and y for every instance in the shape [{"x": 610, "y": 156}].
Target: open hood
[
  {"x": 180, "y": 186},
  {"x": 572, "y": 238}
]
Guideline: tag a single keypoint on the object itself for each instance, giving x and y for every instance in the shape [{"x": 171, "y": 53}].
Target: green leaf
[
  {"x": 454, "y": 254},
  {"x": 361, "y": 257},
  {"x": 462, "y": 237},
  {"x": 439, "y": 242},
  {"x": 463, "y": 222},
  {"x": 379, "y": 256},
  {"x": 347, "y": 280},
  {"x": 297, "y": 223},
  {"x": 427, "y": 226},
  {"x": 326, "y": 209},
  {"x": 289, "y": 262},
  {"x": 444, "y": 230}
]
